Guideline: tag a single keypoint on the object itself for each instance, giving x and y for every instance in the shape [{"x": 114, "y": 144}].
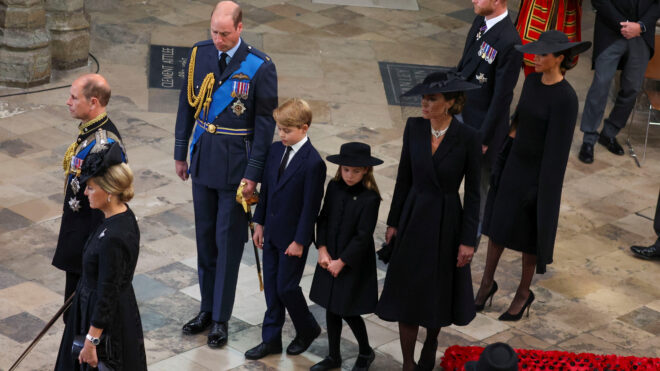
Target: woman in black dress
[
  {"x": 522, "y": 208},
  {"x": 104, "y": 309},
  {"x": 428, "y": 281}
]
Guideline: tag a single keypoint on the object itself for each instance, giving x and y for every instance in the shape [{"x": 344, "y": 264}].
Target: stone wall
[
  {"x": 37, "y": 35},
  {"x": 24, "y": 43}
]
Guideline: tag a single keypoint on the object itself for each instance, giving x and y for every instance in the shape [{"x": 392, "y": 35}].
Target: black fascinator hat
[
  {"x": 97, "y": 163},
  {"x": 554, "y": 41},
  {"x": 442, "y": 82}
]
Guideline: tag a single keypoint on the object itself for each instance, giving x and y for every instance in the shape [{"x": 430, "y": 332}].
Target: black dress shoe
[
  {"x": 328, "y": 363},
  {"x": 363, "y": 361},
  {"x": 262, "y": 350},
  {"x": 506, "y": 316},
  {"x": 201, "y": 322},
  {"x": 586, "y": 153},
  {"x": 646, "y": 252},
  {"x": 301, "y": 343},
  {"x": 217, "y": 335},
  {"x": 611, "y": 144}
]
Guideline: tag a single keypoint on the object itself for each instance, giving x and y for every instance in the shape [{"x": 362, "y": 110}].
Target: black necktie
[
  {"x": 223, "y": 62},
  {"x": 285, "y": 159}
]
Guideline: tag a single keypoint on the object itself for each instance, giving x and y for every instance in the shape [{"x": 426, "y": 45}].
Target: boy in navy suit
[{"x": 290, "y": 199}]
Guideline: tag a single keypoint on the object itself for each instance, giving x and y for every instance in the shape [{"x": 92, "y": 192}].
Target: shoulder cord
[{"x": 203, "y": 99}]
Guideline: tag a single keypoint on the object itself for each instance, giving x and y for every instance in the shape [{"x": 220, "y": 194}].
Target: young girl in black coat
[{"x": 345, "y": 279}]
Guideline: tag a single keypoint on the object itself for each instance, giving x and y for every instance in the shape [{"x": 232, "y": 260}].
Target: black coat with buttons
[{"x": 346, "y": 227}]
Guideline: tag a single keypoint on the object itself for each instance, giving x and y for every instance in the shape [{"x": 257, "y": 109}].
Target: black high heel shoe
[
  {"x": 506, "y": 316},
  {"x": 493, "y": 290}
]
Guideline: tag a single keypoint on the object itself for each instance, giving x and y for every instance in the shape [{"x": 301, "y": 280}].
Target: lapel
[
  {"x": 491, "y": 37},
  {"x": 297, "y": 161},
  {"x": 471, "y": 40},
  {"x": 424, "y": 136},
  {"x": 447, "y": 143},
  {"x": 235, "y": 62}
]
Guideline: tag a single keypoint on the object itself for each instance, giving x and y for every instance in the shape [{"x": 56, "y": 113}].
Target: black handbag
[
  {"x": 385, "y": 252},
  {"x": 101, "y": 351}
]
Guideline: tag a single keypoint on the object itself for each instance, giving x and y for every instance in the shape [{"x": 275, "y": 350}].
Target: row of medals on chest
[
  {"x": 239, "y": 91},
  {"x": 100, "y": 137}
]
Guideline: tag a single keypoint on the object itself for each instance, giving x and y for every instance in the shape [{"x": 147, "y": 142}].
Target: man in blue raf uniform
[
  {"x": 88, "y": 97},
  {"x": 225, "y": 111}
]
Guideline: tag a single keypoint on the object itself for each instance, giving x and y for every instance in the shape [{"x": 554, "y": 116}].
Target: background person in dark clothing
[
  {"x": 653, "y": 251},
  {"x": 624, "y": 38}
]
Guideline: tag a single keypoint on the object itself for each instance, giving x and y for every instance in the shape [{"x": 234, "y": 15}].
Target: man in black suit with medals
[
  {"x": 624, "y": 38},
  {"x": 489, "y": 59},
  {"x": 88, "y": 97},
  {"x": 225, "y": 126}
]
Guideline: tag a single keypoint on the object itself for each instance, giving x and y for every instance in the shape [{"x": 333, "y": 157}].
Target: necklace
[{"x": 438, "y": 133}]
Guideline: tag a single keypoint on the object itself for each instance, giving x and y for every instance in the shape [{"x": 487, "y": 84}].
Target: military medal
[
  {"x": 74, "y": 204},
  {"x": 238, "y": 107},
  {"x": 481, "y": 78},
  {"x": 482, "y": 29},
  {"x": 240, "y": 89},
  {"x": 487, "y": 52},
  {"x": 75, "y": 185}
]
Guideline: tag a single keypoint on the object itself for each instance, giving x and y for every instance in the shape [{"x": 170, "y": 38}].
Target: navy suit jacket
[
  {"x": 221, "y": 161},
  {"x": 288, "y": 207},
  {"x": 487, "y": 109}
]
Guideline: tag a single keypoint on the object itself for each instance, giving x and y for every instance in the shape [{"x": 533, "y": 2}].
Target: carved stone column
[
  {"x": 69, "y": 33},
  {"x": 24, "y": 43}
]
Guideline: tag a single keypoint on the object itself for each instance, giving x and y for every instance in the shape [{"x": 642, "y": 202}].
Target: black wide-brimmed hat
[
  {"x": 98, "y": 162},
  {"x": 495, "y": 357},
  {"x": 354, "y": 154},
  {"x": 554, "y": 41},
  {"x": 442, "y": 82}
]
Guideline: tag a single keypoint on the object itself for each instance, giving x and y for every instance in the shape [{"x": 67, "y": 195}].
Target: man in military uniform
[
  {"x": 89, "y": 95},
  {"x": 490, "y": 59},
  {"x": 225, "y": 111}
]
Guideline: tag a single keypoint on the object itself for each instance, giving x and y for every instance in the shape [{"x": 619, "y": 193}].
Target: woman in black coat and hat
[
  {"x": 522, "y": 208},
  {"x": 104, "y": 316},
  {"x": 428, "y": 281},
  {"x": 345, "y": 279}
]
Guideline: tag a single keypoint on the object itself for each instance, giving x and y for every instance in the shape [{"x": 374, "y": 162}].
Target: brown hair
[
  {"x": 118, "y": 181},
  {"x": 295, "y": 112},
  {"x": 568, "y": 62},
  {"x": 459, "y": 101},
  {"x": 368, "y": 180},
  {"x": 92, "y": 88}
]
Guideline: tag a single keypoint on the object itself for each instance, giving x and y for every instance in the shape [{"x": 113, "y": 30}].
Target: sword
[
  {"x": 248, "y": 210},
  {"x": 50, "y": 323},
  {"x": 246, "y": 206}
]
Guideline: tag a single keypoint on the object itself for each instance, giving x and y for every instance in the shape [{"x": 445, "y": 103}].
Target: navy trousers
[
  {"x": 221, "y": 230},
  {"x": 282, "y": 274}
]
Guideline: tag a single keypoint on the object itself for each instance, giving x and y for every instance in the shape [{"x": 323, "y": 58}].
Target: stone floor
[{"x": 596, "y": 297}]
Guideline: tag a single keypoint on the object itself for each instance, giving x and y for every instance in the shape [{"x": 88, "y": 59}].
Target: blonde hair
[
  {"x": 295, "y": 112},
  {"x": 368, "y": 180},
  {"x": 118, "y": 181}
]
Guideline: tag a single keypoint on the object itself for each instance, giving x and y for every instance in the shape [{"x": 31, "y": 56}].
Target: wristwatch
[
  {"x": 642, "y": 26},
  {"x": 93, "y": 340}
]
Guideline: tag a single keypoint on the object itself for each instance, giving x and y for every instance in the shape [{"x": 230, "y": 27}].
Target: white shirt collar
[
  {"x": 232, "y": 51},
  {"x": 297, "y": 146},
  {"x": 493, "y": 21}
]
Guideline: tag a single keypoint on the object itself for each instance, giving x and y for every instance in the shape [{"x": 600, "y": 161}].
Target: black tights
[
  {"x": 408, "y": 337},
  {"x": 356, "y": 323}
]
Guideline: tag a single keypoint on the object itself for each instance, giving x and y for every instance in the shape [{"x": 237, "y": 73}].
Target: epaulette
[
  {"x": 258, "y": 53},
  {"x": 204, "y": 43}
]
